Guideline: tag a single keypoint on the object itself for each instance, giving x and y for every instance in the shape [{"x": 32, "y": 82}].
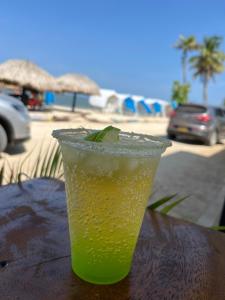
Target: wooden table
[{"x": 173, "y": 260}]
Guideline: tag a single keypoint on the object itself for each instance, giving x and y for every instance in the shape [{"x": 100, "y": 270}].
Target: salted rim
[{"x": 147, "y": 145}]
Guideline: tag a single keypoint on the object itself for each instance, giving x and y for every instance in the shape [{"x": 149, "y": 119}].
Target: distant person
[
  {"x": 24, "y": 97},
  {"x": 35, "y": 102}
]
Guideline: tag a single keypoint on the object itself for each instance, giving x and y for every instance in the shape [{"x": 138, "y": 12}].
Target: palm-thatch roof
[
  {"x": 9, "y": 86},
  {"x": 26, "y": 75},
  {"x": 76, "y": 83}
]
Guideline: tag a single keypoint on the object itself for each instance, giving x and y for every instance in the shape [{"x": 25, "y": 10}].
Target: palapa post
[{"x": 77, "y": 84}]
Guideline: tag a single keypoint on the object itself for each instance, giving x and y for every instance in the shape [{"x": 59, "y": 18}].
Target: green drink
[{"x": 107, "y": 185}]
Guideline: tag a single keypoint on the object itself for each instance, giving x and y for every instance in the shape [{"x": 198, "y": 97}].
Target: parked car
[
  {"x": 199, "y": 122},
  {"x": 14, "y": 121}
]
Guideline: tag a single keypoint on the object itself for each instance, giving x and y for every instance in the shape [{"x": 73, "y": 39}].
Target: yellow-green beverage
[{"x": 107, "y": 185}]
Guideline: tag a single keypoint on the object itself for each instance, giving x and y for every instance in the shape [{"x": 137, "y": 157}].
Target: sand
[{"x": 187, "y": 168}]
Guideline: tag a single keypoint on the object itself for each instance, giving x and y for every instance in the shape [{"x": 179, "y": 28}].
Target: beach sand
[{"x": 186, "y": 168}]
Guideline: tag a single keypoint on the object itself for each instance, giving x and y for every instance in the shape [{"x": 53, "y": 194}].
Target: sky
[{"x": 126, "y": 45}]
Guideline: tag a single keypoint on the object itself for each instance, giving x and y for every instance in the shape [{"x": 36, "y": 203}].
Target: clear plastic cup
[{"x": 107, "y": 186}]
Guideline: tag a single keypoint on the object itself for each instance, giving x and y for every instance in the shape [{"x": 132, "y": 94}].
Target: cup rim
[{"x": 142, "y": 145}]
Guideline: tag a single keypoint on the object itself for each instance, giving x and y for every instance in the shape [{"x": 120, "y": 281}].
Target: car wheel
[
  {"x": 3, "y": 139},
  {"x": 171, "y": 136},
  {"x": 212, "y": 139},
  {"x": 219, "y": 138}
]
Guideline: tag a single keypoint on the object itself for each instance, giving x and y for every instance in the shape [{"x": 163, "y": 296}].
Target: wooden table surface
[{"x": 173, "y": 259}]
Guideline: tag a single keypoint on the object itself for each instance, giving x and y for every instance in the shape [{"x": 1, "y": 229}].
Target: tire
[
  {"x": 171, "y": 136},
  {"x": 212, "y": 139},
  {"x": 3, "y": 139}
]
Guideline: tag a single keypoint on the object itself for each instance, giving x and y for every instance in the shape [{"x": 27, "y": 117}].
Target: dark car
[{"x": 200, "y": 122}]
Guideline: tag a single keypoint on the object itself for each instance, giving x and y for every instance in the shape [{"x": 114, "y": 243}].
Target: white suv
[{"x": 14, "y": 121}]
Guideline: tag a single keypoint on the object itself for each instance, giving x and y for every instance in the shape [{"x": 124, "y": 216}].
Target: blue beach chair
[
  {"x": 144, "y": 108},
  {"x": 157, "y": 108},
  {"x": 129, "y": 105},
  {"x": 49, "y": 98}
]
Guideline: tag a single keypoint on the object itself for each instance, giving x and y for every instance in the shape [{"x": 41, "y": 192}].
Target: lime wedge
[{"x": 108, "y": 134}]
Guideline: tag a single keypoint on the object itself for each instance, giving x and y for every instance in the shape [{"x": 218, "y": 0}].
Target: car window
[
  {"x": 219, "y": 112},
  {"x": 191, "y": 109}
]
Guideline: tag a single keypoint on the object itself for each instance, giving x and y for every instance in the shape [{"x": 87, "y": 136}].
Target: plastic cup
[{"x": 107, "y": 187}]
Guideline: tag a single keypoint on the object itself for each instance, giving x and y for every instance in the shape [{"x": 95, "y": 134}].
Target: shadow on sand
[
  {"x": 200, "y": 177},
  {"x": 15, "y": 149}
]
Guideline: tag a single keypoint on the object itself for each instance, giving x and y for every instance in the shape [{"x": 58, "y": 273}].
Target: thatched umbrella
[
  {"x": 8, "y": 86},
  {"x": 26, "y": 75},
  {"x": 77, "y": 84}
]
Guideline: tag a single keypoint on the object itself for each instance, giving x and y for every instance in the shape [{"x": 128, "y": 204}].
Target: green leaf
[
  {"x": 92, "y": 136},
  {"x": 108, "y": 134},
  {"x": 218, "y": 228},
  {"x": 161, "y": 202},
  {"x": 167, "y": 208}
]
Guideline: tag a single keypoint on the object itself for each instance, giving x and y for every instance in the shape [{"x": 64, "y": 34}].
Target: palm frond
[
  {"x": 218, "y": 228},
  {"x": 2, "y": 170},
  {"x": 161, "y": 201},
  {"x": 168, "y": 208},
  {"x": 46, "y": 163},
  {"x": 187, "y": 43},
  {"x": 210, "y": 60}
]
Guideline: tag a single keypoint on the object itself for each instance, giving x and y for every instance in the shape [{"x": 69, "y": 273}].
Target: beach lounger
[
  {"x": 129, "y": 106},
  {"x": 144, "y": 108},
  {"x": 157, "y": 108}
]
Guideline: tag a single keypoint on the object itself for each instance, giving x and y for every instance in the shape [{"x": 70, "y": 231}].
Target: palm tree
[
  {"x": 209, "y": 62},
  {"x": 186, "y": 44},
  {"x": 180, "y": 92}
]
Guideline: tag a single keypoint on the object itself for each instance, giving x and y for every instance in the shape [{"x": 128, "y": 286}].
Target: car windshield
[{"x": 191, "y": 109}]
